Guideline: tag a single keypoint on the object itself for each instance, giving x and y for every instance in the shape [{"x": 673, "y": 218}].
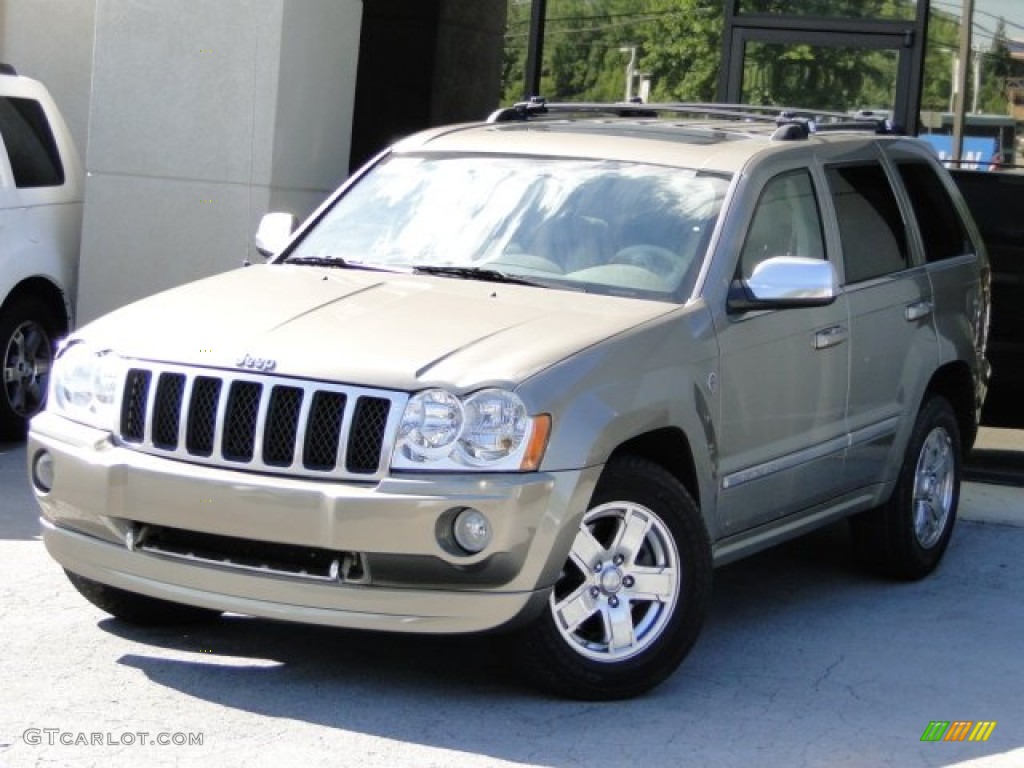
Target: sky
[{"x": 987, "y": 14}]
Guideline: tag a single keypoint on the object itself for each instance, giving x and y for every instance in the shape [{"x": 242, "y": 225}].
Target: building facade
[{"x": 195, "y": 119}]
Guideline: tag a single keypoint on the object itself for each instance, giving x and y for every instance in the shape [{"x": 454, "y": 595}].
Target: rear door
[{"x": 893, "y": 347}]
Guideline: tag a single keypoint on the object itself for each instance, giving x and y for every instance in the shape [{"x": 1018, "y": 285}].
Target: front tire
[
  {"x": 27, "y": 334},
  {"x": 906, "y": 537},
  {"x": 133, "y": 608},
  {"x": 632, "y": 595}
]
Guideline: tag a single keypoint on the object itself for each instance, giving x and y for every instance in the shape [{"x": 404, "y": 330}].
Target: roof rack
[
  {"x": 793, "y": 123},
  {"x": 539, "y": 107}
]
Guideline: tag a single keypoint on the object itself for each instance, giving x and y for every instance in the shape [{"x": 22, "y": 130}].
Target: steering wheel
[
  {"x": 653, "y": 258},
  {"x": 528, "y": 261}
]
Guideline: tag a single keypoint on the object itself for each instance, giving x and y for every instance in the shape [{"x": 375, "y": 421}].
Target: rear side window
[
  {"x": 35, "y": 160},
  {"x": 942, "y": 229},
  {"x": 872, "y": 229}
]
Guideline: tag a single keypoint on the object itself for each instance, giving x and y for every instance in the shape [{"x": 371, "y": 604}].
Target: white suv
[{"x": 40, "y": 229}]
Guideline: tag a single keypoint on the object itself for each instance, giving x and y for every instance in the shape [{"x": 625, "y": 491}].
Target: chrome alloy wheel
[
  {"x": 27, "y": 360},
  {"x": 934, "y": 485},
  {"x": 620, "y": 584}
]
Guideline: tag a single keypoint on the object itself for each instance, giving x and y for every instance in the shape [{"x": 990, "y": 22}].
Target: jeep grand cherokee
[{"x": 538, "y": 375}]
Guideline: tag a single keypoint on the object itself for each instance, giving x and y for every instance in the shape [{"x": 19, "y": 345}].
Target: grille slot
[
  {"x": 133, "y": 405},
  {"x": 202, "y": 413},
  {"x": 170, "y": 388},
  {"x": 282, "y": 426},
  {"x": 257, "y": 422},
  {"x": 323, "y": 429},
  {"x": 240, "y": 420},
  {"x": 367, "y": 433}
]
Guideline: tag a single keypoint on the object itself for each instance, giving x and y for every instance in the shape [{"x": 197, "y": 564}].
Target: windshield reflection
[{"x": 605, "y": 227}]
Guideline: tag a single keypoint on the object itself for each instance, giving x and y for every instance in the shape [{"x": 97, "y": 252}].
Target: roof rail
[
  {"x": 7, "y": 69},
  {"x": 537, "y": 107},
  {"x": 806, "y": 121}
]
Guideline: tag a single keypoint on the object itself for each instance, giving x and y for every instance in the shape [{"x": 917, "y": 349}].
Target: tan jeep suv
[{"x": 537, "y": 375}]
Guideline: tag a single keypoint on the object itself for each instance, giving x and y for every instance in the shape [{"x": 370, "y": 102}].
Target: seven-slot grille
[{"x": 259, "y": 423}]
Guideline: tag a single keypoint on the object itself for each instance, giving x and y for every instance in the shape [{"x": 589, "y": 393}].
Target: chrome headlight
[
  {"x": 488, "y": 430},
  {"x": 84, "y": 385},
  {"x": 431, "y": 424}
]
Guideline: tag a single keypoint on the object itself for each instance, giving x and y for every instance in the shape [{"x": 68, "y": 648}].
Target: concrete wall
[
  {"x": 195, "y": 118},
  {"x": 52, "y": 41},
  {"x": 204, "y": 117}
]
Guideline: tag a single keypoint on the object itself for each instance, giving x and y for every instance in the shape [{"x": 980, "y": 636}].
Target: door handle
[
  {"x": 830, "y": 337},
  {"x": 918, "y": 310}
]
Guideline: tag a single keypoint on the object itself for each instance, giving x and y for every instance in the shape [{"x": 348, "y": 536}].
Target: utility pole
[
  {"x": 630, "y": 70},
  {"x": 977, "y": 80},
  {"x": 960, "y": 108}
]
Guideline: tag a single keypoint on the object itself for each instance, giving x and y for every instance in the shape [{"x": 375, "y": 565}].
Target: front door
[{"x": 784, "y": 376}]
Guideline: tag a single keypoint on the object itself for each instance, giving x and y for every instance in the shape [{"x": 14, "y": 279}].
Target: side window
[
  {"x": 874, "y": 236},
  {"x": 35, "y": 160},
  {"x": 942, "y": 229},
  {"x": 786, "y": 222}
]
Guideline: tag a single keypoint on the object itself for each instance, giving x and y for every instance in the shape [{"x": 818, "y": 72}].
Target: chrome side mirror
[
  {"x": 274, "y": 232},
  {"x": 784, "y": 282}
]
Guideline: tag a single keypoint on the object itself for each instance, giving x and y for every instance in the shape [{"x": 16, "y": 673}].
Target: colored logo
[{"x": 958, "y": 730}]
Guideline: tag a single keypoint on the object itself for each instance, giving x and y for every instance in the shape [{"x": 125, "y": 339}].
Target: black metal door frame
[{"x": 908, "y": 38}]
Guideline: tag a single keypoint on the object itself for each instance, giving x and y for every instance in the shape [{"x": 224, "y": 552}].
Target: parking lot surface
[{"x": 804, "y": 661}]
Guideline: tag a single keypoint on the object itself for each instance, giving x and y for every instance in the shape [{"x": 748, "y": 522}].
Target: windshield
[{"x": 599, "y": 226}]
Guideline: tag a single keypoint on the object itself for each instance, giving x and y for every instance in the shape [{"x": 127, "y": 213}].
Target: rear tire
[
  {"x": 633, "y": 593},
  {"x": 137, "y": 609},
  {"x": 906, "y": 537}
]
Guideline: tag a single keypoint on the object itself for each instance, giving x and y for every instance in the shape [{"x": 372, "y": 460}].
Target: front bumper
[{"x": 101, "y": 492}]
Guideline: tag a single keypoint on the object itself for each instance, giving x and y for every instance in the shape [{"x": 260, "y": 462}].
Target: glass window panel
[
  {"x": 611, "y": 50},
  {"x": 31, "y": 148},
  {"x": 786, "y": 223},
  {"x": 873, "y": 235},
  {"x": 942, "y": 229},
  {"x": 607, "y": 227},
  {"x": 834, "y": 78}
]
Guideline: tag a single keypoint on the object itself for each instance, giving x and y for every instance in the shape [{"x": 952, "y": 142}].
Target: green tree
[
  {"x": 997, "y": 67},
  {"x": 682, "y": 49},
  {"x": 943, "y": 39},
  {"x": 679, "y": 47}
]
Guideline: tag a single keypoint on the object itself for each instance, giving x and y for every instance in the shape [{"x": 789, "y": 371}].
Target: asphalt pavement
[{"x": 804, "y": 661}]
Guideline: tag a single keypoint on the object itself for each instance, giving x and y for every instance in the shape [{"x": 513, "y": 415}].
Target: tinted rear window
[
  {"x": 942, "y": 230},
  {"x": 35, "y": 160},
  {"x": 874, "y": 238}
]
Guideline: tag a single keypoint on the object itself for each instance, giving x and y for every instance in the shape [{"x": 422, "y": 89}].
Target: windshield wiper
[
  {"x": 336, "y": 263},
  {"x": 316, "y": 261},
  {"x": 477, "y": 273}
]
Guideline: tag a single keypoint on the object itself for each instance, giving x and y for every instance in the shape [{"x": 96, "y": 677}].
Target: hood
[{"x": 366, "y": 328}]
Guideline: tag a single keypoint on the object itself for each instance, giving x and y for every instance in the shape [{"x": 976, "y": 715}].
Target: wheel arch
[
  {"x": 954, "y": 382},
  {"x": 48, "y": 293},
  {"x": 669, "y": 448}
]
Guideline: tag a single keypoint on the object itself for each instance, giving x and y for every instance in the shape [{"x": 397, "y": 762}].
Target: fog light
[
  {"x": 42, "y": 472},
  {"x": 472, "y": 530}
]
